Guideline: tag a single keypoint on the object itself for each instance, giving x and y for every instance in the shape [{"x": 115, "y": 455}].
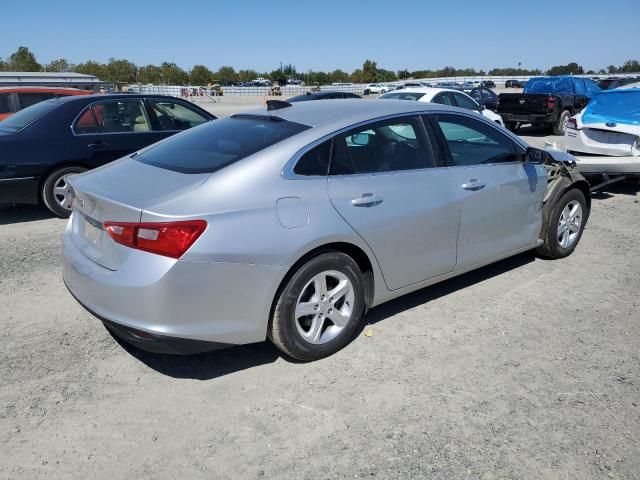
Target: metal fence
[{"x": 290, "y": 90}]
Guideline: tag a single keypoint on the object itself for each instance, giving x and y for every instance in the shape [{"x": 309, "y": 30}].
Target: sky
[{"x": 328, "y": 34}]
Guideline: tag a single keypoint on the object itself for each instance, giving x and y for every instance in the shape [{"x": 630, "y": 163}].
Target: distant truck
[{"x": 546, "y": 101}]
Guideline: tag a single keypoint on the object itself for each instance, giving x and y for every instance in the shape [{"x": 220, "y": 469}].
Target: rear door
[
  {"x": 384, "y": 182},
  {"x": 500, "y": 195},
  {"x": 111, "y": 129}
]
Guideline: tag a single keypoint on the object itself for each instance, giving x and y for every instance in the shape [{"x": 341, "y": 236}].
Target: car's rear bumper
[
  {"x": 152, "y": 300},
  {"x": 19, "y": 190},
  {"x": 599, "y": 142},
  {"x": 527, "y": 117}
]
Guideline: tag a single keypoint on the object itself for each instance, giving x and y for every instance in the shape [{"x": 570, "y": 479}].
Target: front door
[
  {"x": 383, "y": 181},
  {"x": 500, "y": 195}
]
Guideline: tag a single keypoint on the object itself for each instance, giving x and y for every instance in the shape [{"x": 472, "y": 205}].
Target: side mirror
[{"x": 535, "y": 155}]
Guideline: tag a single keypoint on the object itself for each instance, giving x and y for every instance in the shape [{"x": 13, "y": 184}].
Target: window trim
[
  {"x": 288, "y": 173},
  {"x": 446, "y": 156},
  {"x": 138, "y": 99}
]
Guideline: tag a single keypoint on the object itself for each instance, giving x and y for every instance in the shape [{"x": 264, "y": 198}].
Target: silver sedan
[{"x": 291, "y": 221}]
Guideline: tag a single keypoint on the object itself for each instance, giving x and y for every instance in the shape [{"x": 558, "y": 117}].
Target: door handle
[
  {"x": 98, "y": 146},
  {"x": 367, "y": 200},
  {"x": 473, "y": 185}
]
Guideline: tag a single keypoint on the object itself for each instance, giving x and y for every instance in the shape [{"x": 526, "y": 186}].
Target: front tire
[
  {"x": 565, "y": 226},
  {"x": 319, "y": 309},
  {"x": 56, "y": 191}
]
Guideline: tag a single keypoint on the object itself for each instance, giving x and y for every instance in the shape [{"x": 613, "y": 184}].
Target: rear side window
[
  {"x": 5, "y": 105},
  {"x": 315, "y": 161},
  {"x": 442, "y": 98},
  {"x": 86, "y": 123},
  {"x": 217, "y": 144},
  {"x": 465, "y": 102},
  {"x": 175, "y": 116},
  {"x": 28, "y": 99}
]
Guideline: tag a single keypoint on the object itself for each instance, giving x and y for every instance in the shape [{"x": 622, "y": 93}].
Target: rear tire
[
  {"x": 561, "y": 125},
  {"x": 367, "y": 92},
  {"x": 56, "y": 192},
  {"x": 328, "y": 287},
  {"x": 566, "y": 223}
]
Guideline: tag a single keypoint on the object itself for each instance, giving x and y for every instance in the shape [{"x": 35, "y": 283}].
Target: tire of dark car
[
  {"x": 367, "y": 91},
  {"x": 551, "y": 247},
  {"x": 560, "y": 126},
  {"x": 48, "y": 194},
  {"x": 284, "y": 332}
]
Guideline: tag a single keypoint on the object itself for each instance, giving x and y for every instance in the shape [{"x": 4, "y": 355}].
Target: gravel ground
[{"x": 524, "y": 369}]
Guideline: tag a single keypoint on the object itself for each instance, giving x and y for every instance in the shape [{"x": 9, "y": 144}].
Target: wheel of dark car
[
  {"x": 561, "y": 125},
  {"x": 56, "y": 191},
  {"x": 367, "y": 91},
  {"x": 319, "y": 309},
  {"x": 565, "y": 225}
]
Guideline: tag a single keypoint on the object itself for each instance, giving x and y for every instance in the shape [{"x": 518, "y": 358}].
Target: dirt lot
[{"x": 524, "y": 369}]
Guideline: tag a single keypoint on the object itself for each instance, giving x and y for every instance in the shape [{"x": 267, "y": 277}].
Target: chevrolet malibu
[{"x": 291, "y": 221}]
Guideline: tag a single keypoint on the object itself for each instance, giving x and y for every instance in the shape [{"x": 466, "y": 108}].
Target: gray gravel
[{"x": 524, "y": 369}]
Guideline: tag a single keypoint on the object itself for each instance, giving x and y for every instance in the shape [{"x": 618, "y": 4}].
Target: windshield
[
  {"x": 402, "y": 96},
  {"x": 549, "y": 85},
  {"x": 215, "y": 145},
  {"x": 27, "y": 115},
  {"x": 621, "y": 106}
]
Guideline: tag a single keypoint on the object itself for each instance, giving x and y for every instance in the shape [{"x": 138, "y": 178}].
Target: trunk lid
[
  {"x": 119, "y": 192},
  {"x": 523, "y": 103}
]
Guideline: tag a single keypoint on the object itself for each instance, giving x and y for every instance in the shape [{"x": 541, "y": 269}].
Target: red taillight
[
  {"x": 551, "y": 103},
  {"x": 572, "y": 123},
  {"x": 170, "y": 239}
]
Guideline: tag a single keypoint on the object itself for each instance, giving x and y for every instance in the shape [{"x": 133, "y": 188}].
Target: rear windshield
[
  {"x": 549, "y": 85},
  {"x": 27, "y": 115},
  {"x": 215, "y": 145},
  {"x": 402, "y": 96}
]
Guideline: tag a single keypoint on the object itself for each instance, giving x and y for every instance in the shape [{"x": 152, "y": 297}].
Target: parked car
[
  {"x": 443, "y": 96},
  {"x": 44, "y": 144},
  {"x": 324, "y": 95},
  {"x": 616, "y": 82},
  {"x": 513, "y": 84},
  {"x": 547, "y": 101},
  {"x": 14, "y": 99},
  {"x": 605, "y": 136},
  {"x": 485, "y": 97},
  {"x": 350, "y": 209},
  {"x": 488, "y": 84},
  {"x": 377, "y": 88},
  {"x": 467, "y": 86}
]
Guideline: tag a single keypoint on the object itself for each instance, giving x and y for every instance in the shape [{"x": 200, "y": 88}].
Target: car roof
[
  {"x": 430, "y": 91},
  {"x": 345, "y": 112},
  {"x": 112, "y": 96}
]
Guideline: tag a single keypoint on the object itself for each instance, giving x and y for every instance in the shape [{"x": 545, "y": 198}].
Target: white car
[
  {"x": 377, "y": 88},
  {"x": 605, "y": 136},
  {"x": 444, "y": 96}
]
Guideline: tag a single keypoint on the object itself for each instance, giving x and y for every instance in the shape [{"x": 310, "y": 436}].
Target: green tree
[
  {"x": 4, "y": 66},
  {"x": 173, "y": 74},
  {"x": 569, "y": 69},
  {"x": 22, "y": 60},
  {"x": 630, "y": 66},
  {"x": 200, "y": 75},
  {"x": 226, "y": 75},
  {"x": 150, "y": 74},
  {"x": 120, "y": 70},
  {"x": 247, "y": 75},
  {"x": 91, "y": 67},
  {"x": 59, "y": 65},
  {"x": 338, "y": 76},
  {"x": 369, "y": 71},
  {"x": 612, "y": 69}
]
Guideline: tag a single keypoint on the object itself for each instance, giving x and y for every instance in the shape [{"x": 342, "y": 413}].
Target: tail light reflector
[
  {"x": 572, "y": 123},
  {"x": 551, "y": 103},
  {"x": 171, "y": 239}
]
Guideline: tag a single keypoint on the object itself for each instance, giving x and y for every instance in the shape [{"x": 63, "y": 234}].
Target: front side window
[
  {"x": 5, "y": 104},
  {"x": 121, "y": 116},
  {"x": 28, "y": 99},
  {"x": 215, "y": 145},
  {"x": 86, "y": 123},
  {"x": 387, "y": 146},
  {"x": 175, "y": 116},
  {"x": 471, "y": 142}
]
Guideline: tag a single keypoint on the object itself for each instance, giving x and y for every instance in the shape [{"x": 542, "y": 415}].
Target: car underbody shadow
[
  {"x": 629, "y": 186},
  {"x": 23, "y": 213},
  {"x": 433, "y": 292}
]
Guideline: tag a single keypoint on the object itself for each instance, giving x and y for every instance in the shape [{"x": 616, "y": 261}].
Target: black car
[
  {"x": 513, "y": 84},
  {"x": 43, "y": 144},
  {"x": 616, "y": 82},
  {"x": 488, "y": 84},
  {"x": 322, "y": 96},
  {"x": 485, "y": 96}
]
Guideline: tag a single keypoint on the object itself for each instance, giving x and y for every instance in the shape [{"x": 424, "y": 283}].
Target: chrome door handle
[
  {"x": 367, "y": 200},
  {"x": 98, "y": 146},
  {"x": 473, "y": 185}
]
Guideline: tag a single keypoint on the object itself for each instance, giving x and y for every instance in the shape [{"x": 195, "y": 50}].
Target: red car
[{"x": 13, "y": 99}]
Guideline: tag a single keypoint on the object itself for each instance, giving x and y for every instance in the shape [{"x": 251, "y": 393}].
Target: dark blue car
[{"x": 43, "y": 144}]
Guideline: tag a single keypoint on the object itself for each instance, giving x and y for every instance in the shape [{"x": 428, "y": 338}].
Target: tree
[
  {"x": 150, "y": 74},
  {"x": 59, "y": 65},
  {"x": 226, "y": 75},
  {"x": 22, "y": 60},
  {"x": 4, "y": 66},
  {"x": 612, "y": 69},
  {"x": 91, "y": 67},
  {"x": 630, "y": 66},
  {"x": 338, "y": 76},
  {"x": 247, "y": 75},
  {"x": 200, "y": 75},
  {"x": 369, "y": 71},
  {"x": 173, "y": 74},
  {"x": 122, "y": 71}
]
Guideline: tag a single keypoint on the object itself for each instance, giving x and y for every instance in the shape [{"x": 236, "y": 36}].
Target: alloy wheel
[
  {"x": 569, "y": 224},
  {"x": 62, "y": 192}
]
